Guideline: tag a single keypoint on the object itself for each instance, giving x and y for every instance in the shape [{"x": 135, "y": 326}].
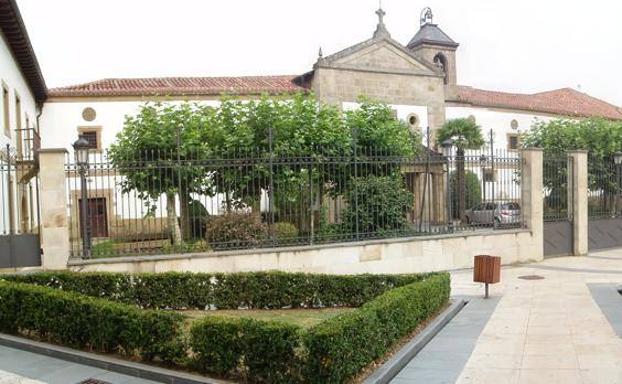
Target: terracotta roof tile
[
  {"x": 184, "y": 86},
  {"x": 564, "y": 101}
]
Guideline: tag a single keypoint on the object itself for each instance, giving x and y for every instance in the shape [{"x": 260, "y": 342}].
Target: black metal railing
[
  {"x": 19, "y": 194},
  {"x": 556, "y": 179},
  {"x": 604, "y": 187},
  {"x": 160, "y": 202},
  {"x": 28, "y": 144}
]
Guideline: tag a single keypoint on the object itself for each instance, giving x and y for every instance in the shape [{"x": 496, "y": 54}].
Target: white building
[{"x": 23, "y": 92}]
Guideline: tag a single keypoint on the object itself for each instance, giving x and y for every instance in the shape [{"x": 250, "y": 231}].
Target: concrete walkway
[
  {"x": 20, "y": 367},
  {"x": 546, "y": 331}
]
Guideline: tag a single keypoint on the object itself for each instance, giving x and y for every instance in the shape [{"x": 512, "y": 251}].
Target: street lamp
[
  {"x": 617, "y": 158},
  {"x": 81, "y": 150}
]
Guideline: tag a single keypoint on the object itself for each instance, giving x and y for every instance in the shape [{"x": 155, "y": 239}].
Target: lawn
[{"x": 305, "y": 318}]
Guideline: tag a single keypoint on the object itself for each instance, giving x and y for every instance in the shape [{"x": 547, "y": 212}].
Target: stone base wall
[{"x": 411, "y": 255}]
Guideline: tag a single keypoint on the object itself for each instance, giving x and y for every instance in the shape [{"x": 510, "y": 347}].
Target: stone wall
[{"x": 409, "y": 255}]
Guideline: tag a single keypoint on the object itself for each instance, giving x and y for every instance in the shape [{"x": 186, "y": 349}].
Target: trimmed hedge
[
  {"x": 256, "y": 351},
  {"x": 259, "y": 351},
  {"x": 79, "y": 321},
  {"x": 339, "y": 348},
  {"x": 253, "y": 290},
  {"x": 330, "y": 352}
]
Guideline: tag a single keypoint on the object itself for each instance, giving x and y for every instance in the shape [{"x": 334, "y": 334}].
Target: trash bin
[{"x": 487, "y": 270}]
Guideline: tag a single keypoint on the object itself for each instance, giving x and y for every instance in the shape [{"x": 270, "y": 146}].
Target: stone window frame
[
  {"x": 6, "y": 108},
  {"x": 98, "y": 132},
  {"x": 509, "y": 137}
]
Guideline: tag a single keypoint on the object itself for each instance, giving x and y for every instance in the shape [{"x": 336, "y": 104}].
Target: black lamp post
[{"x": 81, "y": 151}]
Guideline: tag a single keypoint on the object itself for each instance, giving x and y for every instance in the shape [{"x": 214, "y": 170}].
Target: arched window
[{"x": 441, "y": 62}]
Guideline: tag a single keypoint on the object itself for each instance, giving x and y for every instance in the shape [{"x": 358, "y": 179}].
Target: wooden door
[{"x": 97, "y": 216}]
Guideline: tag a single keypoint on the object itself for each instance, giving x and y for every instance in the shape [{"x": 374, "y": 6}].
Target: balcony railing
[{"x": 28, "y": 144}]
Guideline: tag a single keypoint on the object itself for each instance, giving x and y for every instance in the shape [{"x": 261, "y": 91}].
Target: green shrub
[
  {"x": 340, "y": 347},
  {"x": 377, "y": 205},
  {"x": 261, "y": 350},
  {"x": 285, "y": 231},
  {"x": 80, "y": 321},
  {"x": 472, "y": 190},
  {"x": 236, "y": 230},
  {"x": 254, "y": 290}
]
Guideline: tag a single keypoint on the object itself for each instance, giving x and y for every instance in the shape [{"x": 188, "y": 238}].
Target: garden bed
[{"x": 257, "y": 327}]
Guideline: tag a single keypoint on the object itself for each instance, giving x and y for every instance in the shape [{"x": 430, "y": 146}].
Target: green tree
[
  {"x": 473, "y": 191},
  {"x": 465, "y": 134},
  {"x": 155, "y": 151},
  {"x": 600, "y": 137}
]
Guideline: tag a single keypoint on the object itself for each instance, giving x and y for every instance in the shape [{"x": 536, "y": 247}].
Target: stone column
[
  {"x": 531, "y": 191},
  {"x": 577, "y": 201},
  {"x": 53, "y": 203}
]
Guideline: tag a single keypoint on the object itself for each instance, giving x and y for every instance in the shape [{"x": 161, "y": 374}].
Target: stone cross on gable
[
  {"x": 380, "y": 12},
  {"x": 381, "y": 29}
]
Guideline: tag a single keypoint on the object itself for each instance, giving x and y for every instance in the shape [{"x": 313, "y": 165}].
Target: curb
[
  {"x": 129, "y": 368},
  {"x": 399, "y": 360}
]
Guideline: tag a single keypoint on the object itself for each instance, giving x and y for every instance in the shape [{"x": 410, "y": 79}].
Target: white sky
[{"x": 524, "y": 46}]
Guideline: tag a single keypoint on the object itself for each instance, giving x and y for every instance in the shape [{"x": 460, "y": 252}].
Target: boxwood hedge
[
  {"x": 80, "y": 321},
  {"x": 253, "y": 290},
  {"x": 100, "y": 311}
]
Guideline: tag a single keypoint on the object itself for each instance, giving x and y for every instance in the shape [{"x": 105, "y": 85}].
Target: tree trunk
[
  {"x": 171, "y": 218},
  {"x": 184, "y": 215},
  {"x": 460, "y": 176}
]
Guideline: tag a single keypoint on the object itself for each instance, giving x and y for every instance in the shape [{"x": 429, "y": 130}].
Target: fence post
[
  {"x": 531, "y": 192},
  {"x": 578, "y": 202},
  {"x": 53, "y": 204}
]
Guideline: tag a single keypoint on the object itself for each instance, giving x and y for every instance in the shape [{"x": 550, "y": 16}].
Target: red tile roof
[
  {"x": 564, "y": 101},
  {"x": 184, "y": 86}
]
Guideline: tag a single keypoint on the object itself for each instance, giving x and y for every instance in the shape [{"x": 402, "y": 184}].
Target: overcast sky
[{"x": 524, "y": 46}]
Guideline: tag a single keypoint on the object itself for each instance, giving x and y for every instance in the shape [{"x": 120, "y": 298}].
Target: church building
[{"x": 419, "y": 80}]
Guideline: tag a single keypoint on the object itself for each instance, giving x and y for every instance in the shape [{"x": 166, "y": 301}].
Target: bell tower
[{"x": 433, "y": 45}]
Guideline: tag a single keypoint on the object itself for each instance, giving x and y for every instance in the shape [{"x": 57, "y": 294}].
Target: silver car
[{"x": 494, "y": 213}]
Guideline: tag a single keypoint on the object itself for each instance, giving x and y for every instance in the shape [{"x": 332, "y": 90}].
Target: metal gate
[
  {"x": 558, "y": 228},
  {"x": 604, "y": 203},
  {"x": 19, "y": 206}
]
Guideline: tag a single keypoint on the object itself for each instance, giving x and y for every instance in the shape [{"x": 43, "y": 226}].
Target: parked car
[{"x": 494, "y": 213}]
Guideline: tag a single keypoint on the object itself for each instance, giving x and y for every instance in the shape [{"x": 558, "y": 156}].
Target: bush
[
  {"x": 472, "y": 190},
  {"x": 263, "y": 351},
  {"x": 253, "y": 290},
  {"x": 285, "y": 231},
  {"x": 199, "y": 218},
  {"x": 80, "y": 321},
  {"x": 377, "y": 205},
  {"x": 340, "y": 347},
  {"x": 256, "y": 351},
  {"x": 236, "y": 230}
]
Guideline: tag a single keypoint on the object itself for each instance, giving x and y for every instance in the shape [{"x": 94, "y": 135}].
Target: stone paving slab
[
  {"x": 443, "y": 359},
  {"x": 21, "y": 367}
]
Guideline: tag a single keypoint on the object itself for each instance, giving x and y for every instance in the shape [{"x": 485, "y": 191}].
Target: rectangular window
[
  {"x": 513, "y": 142},
  {"x": 92, "y": 135},
  {"x": 5, "y": 110},
  {"x": 18, "y": 124},
  {"x": 489, "y": 175}
]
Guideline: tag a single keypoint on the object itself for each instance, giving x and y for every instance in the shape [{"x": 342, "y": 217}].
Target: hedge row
[
  {"x": 253, "y": 290},
  {"x": 331, "y": 352},
  {"x": 79, "y": 321}
]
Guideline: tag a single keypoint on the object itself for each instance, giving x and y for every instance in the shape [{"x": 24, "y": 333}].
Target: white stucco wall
[
  {"x": 12, "y": 79},
  {"x": 497, "y": 120}
]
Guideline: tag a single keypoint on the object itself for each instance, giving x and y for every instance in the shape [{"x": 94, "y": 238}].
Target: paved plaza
[{"x": 560, "y": 329}]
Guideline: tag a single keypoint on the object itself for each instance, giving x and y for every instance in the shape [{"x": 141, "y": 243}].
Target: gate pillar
[
  {"x": 53, "y": 202},
  {"x": 531, "y": 192},
  {"x": 577, "y": 201}
]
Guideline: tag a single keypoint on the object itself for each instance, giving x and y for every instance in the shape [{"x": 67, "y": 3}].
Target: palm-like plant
[{"x": 465, "y": 134}]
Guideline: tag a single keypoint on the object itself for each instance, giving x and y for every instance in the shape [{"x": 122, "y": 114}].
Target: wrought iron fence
[
  {"x": 604, "y": 187},
  {"x": 556, "y": 175},
  {"x": 19, "y": 193},
  {"x": 160, "y": 202}
]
